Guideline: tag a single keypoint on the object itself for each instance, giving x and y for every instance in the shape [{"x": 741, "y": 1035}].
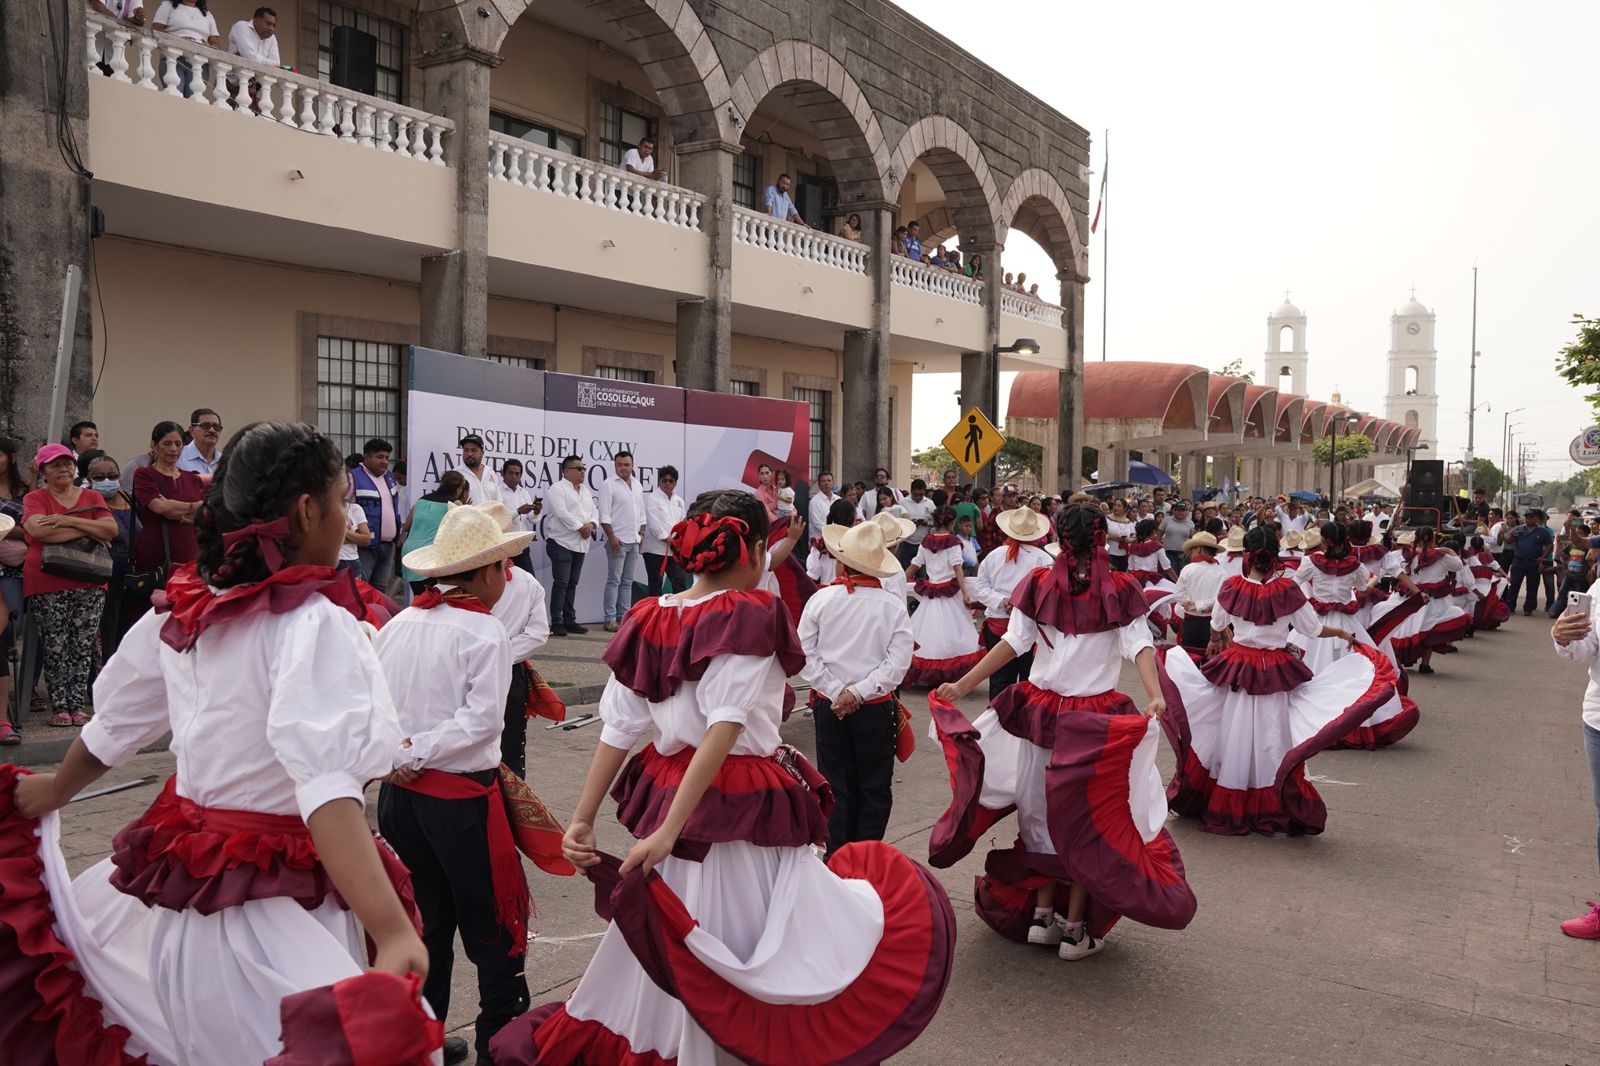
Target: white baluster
[
  {"x": 286, "y": 111},
  {"x": 402, "y": 134},
  {"x": 364, "y": 113},
  {"x": 309, "y": 119},
  {"x": 91, "y": 35},
  {"x": 674, "y": 207},
  {"x": 146, "y": 78},
  {"x": 169, "y": 77},
  {"x": 435, "y": 145},
  {"x": 119, "y": 56},
  {"x": 419, "y": 139},
  {"x": 515, "y": 172},
  {"x": 383, "y": 131},
  {"x": 606, "y": 190},
  {"x": 200, "y": 67},
  {"x": 347, "y": 119},
  {"x": 694, "y": 214},
  {"x": 497, "y": 162},
  {"x": 264, "y": 103},
  {"x": 220, "y": 90}
]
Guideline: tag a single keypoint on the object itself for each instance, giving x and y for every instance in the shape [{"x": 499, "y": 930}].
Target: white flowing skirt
[{"x": 942, "y": 628}]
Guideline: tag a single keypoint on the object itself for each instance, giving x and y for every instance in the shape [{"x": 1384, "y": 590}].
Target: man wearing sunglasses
[{"x": 203, "y": 453}]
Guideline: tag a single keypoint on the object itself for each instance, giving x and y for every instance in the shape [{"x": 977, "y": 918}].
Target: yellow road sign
[{"x": 973, "y": 441}]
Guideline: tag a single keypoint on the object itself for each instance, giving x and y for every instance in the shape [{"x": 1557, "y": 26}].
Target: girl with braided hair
[
  {"x": 821, "y": 566},
  {"x": 243, "y": 883},
  {"x": 1245, "y": 722},
  {"x": 1440, "y": 620},
  {"x": 1147, "y": 562},
  {"x": 1073, "y": 756},
  {"x": 1490, "y": 583},
  {"x": 725, "y": 815},
  {"x": 947, "y": 644}
]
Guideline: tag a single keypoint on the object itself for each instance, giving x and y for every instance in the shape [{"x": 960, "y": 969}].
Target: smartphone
[{"x": 1579, "y": 603}]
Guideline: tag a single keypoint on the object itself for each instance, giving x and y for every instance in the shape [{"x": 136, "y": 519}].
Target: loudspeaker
[
  {"x": 1427, "y": 478},
  {"x": 355, "y": 60}
]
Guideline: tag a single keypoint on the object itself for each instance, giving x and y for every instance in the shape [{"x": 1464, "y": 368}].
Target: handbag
[{"x": 80, "y": 559}]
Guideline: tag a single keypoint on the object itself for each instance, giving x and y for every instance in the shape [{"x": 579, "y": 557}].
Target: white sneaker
[
  {"x": 1045, "y": 931},
  {"x": 1081, "y": 948}
]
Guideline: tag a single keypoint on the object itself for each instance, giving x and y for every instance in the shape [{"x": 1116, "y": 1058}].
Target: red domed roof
[
  {"x": 1260, "y": 410},
  {"x": 1122, "y": 390}
]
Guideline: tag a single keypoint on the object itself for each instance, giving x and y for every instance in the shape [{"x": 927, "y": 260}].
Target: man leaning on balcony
[
  {"x": 641, "y": 160},
  {"x": 775, "y": 201}
]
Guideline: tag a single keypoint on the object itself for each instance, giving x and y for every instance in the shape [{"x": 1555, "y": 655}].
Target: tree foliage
[
  {"x": 935, "y": 458},
  {"x": 1352, "y": 446},
  {"x": 1579, "y": 362},
  {"x": 1488, "y": 477},
  {"x": 1236, "y": 369},
  {"x": 1017, "y": 458}
]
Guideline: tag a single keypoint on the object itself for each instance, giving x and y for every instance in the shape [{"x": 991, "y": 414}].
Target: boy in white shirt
[
  {"x": 857, "y": 641},
  {"x": 522, "y": 611},
  {"x": 356, "y": 537}
]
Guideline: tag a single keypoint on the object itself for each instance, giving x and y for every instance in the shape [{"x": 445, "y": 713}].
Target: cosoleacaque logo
[
  {"x": 592, "y": 394},
  {"x": 1591, "y": 438}
]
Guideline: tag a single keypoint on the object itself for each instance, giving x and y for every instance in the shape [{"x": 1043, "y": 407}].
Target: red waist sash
[
  {"x": 181, "y": 856},
  {"x": 1257, "y": 671},
  {"x": 1438, "y": 588},
  {"x": 930, "y": 590},
  {"x": 1348, "y": 607},
  {"x": 997, "y": 626},
  {"x": 511, "y": 903}
]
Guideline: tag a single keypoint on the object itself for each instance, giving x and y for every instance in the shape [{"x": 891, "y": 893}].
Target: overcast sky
[{"x": 1343, "y": 152}]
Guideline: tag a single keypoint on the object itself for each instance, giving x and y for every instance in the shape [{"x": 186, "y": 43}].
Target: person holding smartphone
[{"x": 1575, "y": 641}]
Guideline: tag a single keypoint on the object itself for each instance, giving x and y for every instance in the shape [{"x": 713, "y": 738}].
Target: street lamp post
[
  {"x": 1505, "y": 455},
  {"x": 1338, "y": 429},
  {"x": 991, "y": 386}
]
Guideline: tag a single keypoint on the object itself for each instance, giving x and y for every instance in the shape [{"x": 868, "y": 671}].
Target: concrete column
[
  {"x": 980, "y": 371},
  {"x": 1117, "y": 468},
  {"x": 455, "y": 285},
  {"x": 1069, "y": 419},
  {"x": 44, "y": 223},
  {"x": 865, "y": 435},
  {"x": 705, "y": 327}
]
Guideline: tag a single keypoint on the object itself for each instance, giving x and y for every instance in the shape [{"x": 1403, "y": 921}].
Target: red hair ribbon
[
  {"x": 266, "y": 535},
  {"x": 710, "y": 544}
]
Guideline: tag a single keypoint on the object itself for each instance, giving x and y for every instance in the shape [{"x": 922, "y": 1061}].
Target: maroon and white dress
[
  {"x": 742, "y": 946},
  {"x": 1146, "y": 558},
  {"x": 946, "y": 642},
  {"x": 1489, "y": 581},
  {"x": 1442, "y": 620},
  {"x": 1245, "y": 723},
  {"x": 1075, "y": 760}
]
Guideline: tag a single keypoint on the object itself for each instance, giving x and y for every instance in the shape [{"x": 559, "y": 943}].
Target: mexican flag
[{"x": 1105, "y": 172}]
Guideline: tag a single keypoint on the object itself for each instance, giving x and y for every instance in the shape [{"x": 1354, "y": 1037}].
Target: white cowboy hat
[
  {"x": 466, "y": 539},
  {"x": 1235, "y": 540},
  {"x": 1406, "y": 536},
  {"x": 1022, "y": 523},
  {"x": 1311, "y": 539},
  {"x": 862, "y": 548},
  {"x": 1201, "y": 539},
  {"x": 895, "y": 529},
  {"x": 1291, "y": 540},
  {"x": 500, "y": 513}
]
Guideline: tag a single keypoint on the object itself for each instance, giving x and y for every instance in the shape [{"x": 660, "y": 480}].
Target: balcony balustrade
[
  {"x": 801, "y": 242},
  {"x": 255, "y": 91},
  {"x": 935, "y": 280},
  {"x": 1030, "y": 308},
  {"x": 546, "y": 170}
]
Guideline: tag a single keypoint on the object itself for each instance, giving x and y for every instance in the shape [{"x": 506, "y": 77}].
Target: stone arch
[
  {"x": 831, "y": 101},
  {"x": 665, "y": 37},
  {"x": 971, "y": 194},
  {"x": 1037, "y": 205}
]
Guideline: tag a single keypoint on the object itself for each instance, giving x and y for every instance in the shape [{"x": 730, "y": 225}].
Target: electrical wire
[
  {"x": 60, "y": 57},
  {"x": 105, "y": 323}
]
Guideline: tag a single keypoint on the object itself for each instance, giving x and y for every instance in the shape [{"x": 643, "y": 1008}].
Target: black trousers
[
  {"x": 675, "y": 573},
  {"x": 445, "y": 845},
  {"x": 856, "y": 755},
  {"x": 514, "y": 737},
  {"x": 1196, "y": 631},
  {"x": 1526, "y": 570},
  {"x": 1016, "y": 670}
]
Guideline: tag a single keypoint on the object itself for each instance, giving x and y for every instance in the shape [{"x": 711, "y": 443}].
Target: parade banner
[{"x": 539, "y": 417}]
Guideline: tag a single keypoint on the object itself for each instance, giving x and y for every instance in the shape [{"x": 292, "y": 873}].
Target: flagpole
[{"x": 1105, "y": 253}]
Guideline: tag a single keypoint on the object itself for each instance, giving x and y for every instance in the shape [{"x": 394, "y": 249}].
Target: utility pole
[{"x": 1472, "y": 378}]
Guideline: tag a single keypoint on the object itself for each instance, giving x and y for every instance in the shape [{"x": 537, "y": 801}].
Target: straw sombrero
[
  {"x": 1406, "y": 536},
  {"x": 1022, "y": 523},
  {"x": 467, "y": 538},
  {"x": 500, "y": 513},
  {"x": 1291, "y": 540},
  {"x": 1311, "y": 539},
  {"x": 1235, "y": 540},
  {"x": 895, "y": 529},
  {"x": 1201, "y": 539},
  {"x": 862, "y": 548}
]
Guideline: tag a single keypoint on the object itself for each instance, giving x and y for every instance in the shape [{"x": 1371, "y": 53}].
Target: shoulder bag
[{"x": 80, "y": 559}]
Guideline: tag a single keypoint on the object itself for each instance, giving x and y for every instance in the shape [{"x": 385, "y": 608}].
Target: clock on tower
[{"x": 1413, "y": 328}]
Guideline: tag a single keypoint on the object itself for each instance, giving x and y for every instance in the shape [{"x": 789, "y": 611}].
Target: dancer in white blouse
[
  {"x": 895, "y": 529},
  {"x": 1442, "y": 620},
  {"x": 727, "y": 931},
  {"x": 1047, "y": 744},
  {"x": 947, "y": 643},
  {"x": 821, "y": 566},
  {"x": 243, "y": 883}
]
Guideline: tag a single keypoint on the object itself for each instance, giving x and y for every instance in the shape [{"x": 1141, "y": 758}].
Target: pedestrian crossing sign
[{"x": 974, "y": 441}]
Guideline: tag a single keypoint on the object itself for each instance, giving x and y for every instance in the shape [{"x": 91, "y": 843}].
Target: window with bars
[
  {"x": 391, "y": 48},
  {"x": 625, "y": 373},
  {"x": 358, "y": 392},
  {"x": 527, "y": 362},
  {"x": 746, "y": 178},
  {"x": 744, "y": 388},
  {"x": 818, "y": 399},
  {"x": 547, "y": 136},
  {"x": 621, "y": 129}
]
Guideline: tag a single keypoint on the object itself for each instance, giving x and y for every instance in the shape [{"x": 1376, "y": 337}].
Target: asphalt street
[{"x": 1421, "y": 927}]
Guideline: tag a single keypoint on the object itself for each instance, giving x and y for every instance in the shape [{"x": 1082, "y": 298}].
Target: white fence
[
  {"x": 938, "y": 281},
  {"x": 761, "y": 230},
  {"x": 1031, "y": 308},
  {"x": 534, "y": 166},
  {"x": 209, "y": 78}
]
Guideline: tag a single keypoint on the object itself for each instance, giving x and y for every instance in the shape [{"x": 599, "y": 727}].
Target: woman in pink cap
[{"x": 68, "y": 608}]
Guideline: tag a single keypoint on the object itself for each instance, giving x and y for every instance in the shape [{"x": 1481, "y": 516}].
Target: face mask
[{"x": 105, "y": 486}]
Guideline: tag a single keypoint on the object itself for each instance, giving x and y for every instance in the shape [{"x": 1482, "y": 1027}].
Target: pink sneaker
[{"x": 1586, "y": 927}]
